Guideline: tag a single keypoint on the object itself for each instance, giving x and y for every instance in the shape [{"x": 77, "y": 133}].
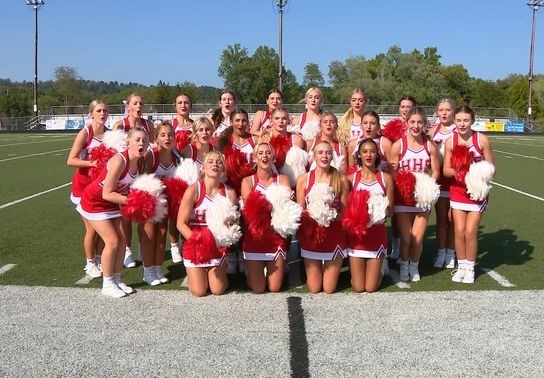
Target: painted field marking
[
  {"x": 499, "y": 278},
  {"x": 518, "y": 191},
  {"x": 32, "y": 196},
  {"x": 41, "y": 141},
  {"x": 518, "y": 144},
  {"x": 523, "y": 156},
  {"x": 85, "y": 280},
  {"x": 396, "y": 279},
  {"x": 31, "y": 155},
  {"x": 6, "y": 268}
]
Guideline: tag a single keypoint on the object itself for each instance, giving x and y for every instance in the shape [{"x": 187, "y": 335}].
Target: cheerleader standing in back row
[
  {"x": 100, "y": 206},
  {"x": 323, "y": 255},
  {"x": 220, "y": 118},
  {"x": 80, "y": 157},
  {"x": 261, "y": 119},
  {"x": 412, "y": 153},
  {"x": 467, "y": 213},
  {"x": 350, "y": 125},
  {"x": 307, "y": 123},
  {"x": 366, "y": 256}
]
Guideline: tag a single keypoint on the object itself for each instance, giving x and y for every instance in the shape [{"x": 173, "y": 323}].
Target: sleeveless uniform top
[
  {"x": 194, "y": 154},
  {"x": 355, "y": 131},
  {"x": 127, "y": 126},
  {"x": 306, "y": 123},
  {"x": 246, "y": 148},
  {"x": 336, "y": 152},
  {"x": 178, "y": 128},
  {"x": 439, "y": 137},
  {"x": 265, "y": 122},
  {"x": 160, "y": 170}
]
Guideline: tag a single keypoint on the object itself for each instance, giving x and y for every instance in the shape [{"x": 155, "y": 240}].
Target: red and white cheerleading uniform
[
  {"x": 440, "y": 136},
  {"x": 306, "y": 123},
  {"x": 160, "y": 170},
  {"x": 80, "y": 179},
  {"x": 178, "y": 128},
  {"x": 220, "y": 128},
  {"x": 384, "y": 164},
  {"x": 334, "y": 242},
  {"x": 246, "y": 148},
  {"x": 127, "y": 126},
  {"x": 459, "y": 198},
  {"x": 355, "y": 131},
  {"x": 93, "y": 206},
  {"x": 194, "y": 154},
  {"x": 198, "y": 220},
  {"x": 265, "y": 122},
  {"x": 271, "y": 246},
  {"x": 374, "y": 244},
  {"x": 413, "y": 161},
  {"x": 336, "y": 151}
]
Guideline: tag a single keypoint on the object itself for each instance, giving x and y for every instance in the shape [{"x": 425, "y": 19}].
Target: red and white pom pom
[
  {"x": 285, "y": 212},
  {"x": 222, "y": 219},
  {"x": 187, "y": 171},
  {"x": 394, "y": 130},
  {"x": 182, "y": 140},
  {"x": 257, "y": 212},
  {"x": 405, "y": 183},
  {"x": 337, "y": 162},
  {"x": 186, "y": 174},
  {"x": 237, "y": 167},
  {"x": 461, "y": 159},
  {"x": 478, "y": 180},
  {"x": 426, "y": 191},
  {"x": 200, "y": 248},
  {"x": 280, "y": 144},
  {"x": 310, "y": 131},
  {"x": 319, "y": 206},
  {"x": 145, "y": 201},
  {"x": 114, "y": 141},
  {"x": 355, "y": 218},
  {"x": 310, "y": 232},
  {"x": 377, "y": 208},
  {"x": 295, "y": 164}
]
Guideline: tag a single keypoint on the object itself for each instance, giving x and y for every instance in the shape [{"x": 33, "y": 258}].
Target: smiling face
[
  {"x": 323, "y": 155},
  {"x": 240, "y": 124},
  {"x": 463, "y": 122},
  {"x": 183, "y": 105},
  {"x": 370, "y": 126},
  {"x": 263, "y": 156},
  {"x": 416, "y": 123}
]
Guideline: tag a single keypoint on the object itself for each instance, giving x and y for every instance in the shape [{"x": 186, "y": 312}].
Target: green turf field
[{"x": 42, "y": 234}]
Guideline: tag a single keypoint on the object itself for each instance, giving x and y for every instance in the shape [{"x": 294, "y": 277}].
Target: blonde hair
[
  {"x": 329, "y": 114},
  {"x": 259, "y": 144},
  {"x": 313, "y": 89},
  {"x": 198, "y": 123},
  {"x": 162, "y": 125},
  {"x": 142, "y": 163},
  {"x": 344, "y": 125},
  {"x": 208, "y": 157},
  {"x": 336, "y": 176},
  {"x": 95, "y": 103},
  {"x": 134, "y": 94}
]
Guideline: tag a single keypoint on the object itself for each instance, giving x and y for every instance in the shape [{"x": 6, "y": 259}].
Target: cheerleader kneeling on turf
[{"x": 101, "y": 202}]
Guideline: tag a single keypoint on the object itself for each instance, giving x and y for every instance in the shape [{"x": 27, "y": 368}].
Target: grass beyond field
[{"x": 41, "y": 234}]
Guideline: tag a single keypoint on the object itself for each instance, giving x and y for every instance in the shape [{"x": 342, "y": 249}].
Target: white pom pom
[
  {"x": 187, "y": 171},
  {"x": 310, "y": 130},
  {"x": 337, "y": 162},
  {"x": 285, "y": 213},
  {"x": 478, "y": 179},
  {"x": 320, "y": 201},
  {"x": 377, "y": 208},
  {"x": 295, "y": 164},
  {"x": 222, "y": 219},
  {"x": 148, "y": 183},
  {"x": 426, "y": 192},
  {"x": 161, "y": 209},
  {"x": 441, "y": 152},
  {"x": 116, "y": 139},
  {"x": 294, "y": 129}
]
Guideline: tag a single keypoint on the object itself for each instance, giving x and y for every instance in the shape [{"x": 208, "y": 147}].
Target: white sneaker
[
  {"x": 160, "y": 275},
  {"x": 129, "y": 261},
  {"x": 150, "y": 276},
  {"x": 440, "y": 259},
  {"x": 459, "y": 274},
  {"x": 92, "y": 270},
  {"x": 469, "y": 274},
  {"x": 414, "y": 271},
  {"x": 176, "y": 255},
  {"x": 395, "y": 248},
  {"x": 113, "y": 291},
  {"x": 404, "y": 275},
  {"x": 124, "y": 287},
  {"x": 450, "y": 259}
]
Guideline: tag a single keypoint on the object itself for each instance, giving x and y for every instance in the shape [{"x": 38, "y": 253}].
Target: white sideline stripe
[
  {"x": 41, "y": 141},
  {"x": 518, "y": 144},
  {"x": 32, "y": 196},
  {"x": 524, "y": 156},
  {"x": 6, "y": 268},
  {"x": 518, "y": 191},
  {"x": 31, "y": 155},
  {"x": 84, "y": 281},
  {"x": 396, "y": 279},
  {"x": 499, "y": 278}
]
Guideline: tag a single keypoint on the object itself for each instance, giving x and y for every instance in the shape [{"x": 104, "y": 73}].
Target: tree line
[{"x": 386, "y": 77}]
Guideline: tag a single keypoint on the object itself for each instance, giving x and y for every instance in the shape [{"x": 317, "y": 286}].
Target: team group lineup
[{"x": 231, "y": 193}]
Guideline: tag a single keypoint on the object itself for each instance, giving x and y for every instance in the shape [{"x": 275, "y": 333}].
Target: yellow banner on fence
[{"x": 494, "y": 126}]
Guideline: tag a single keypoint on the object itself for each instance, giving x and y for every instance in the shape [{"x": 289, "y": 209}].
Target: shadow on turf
[{"x": 502, "y": 247}]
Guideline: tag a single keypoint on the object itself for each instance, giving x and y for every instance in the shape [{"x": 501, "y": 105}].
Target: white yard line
[
  {"x": 31, "y": 155},
  {"x": 518, "y": 191},
  {"x": 5, "y": 268},
  {"x": 33, "y": 196},
  {"x": 84, "y": 280},
  {"x": 518, "y": 144},
  {"x": 519, "y": 155},
  {"x": 499, "y": 278},
  {"x": 41, "y": 141}
]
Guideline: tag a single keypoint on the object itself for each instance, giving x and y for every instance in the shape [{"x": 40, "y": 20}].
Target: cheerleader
[
  {"x": 162, "y": 162},
  {"x": 366, "y": 253},
  {"x": 220, "y": 118},
  {"x": 329, "y": 126},
  {"x": 80, "y": 157},
  {"x": 182, "y": 123},
  {"x": 370, "y": 128},
  {"x": 444, "y": 129},
  {"x": 412, "y": 153},
  {"x": 261, "y": 119},
  {"x": 467, "y": 206},
  {"x": 200, "y": 141},
  {"x": 307, "y": 123},
  {"x": 208, "y": 269},
  {"x": 100, "y": 206},
  {"x": 350, "y": 125},
  {"x": 322, "y": 242},
  {"x": 263, "y": 247}
]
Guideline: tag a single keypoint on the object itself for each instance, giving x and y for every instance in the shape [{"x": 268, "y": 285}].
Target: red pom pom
[
  {"x": 355, "y": 216},
  {"x": 394, "y": 130},
  {"x": 281, "y": 145},
  {"x": 175, "y": 189},
  {"x": 237, "y": 167},
  {"x": 310, "y": 232},
  {"x": 200, "y": 248},
  {"x": 351, "y": 170},
  {"x": 257, "y": 214},
  {"x": 461, "y": 159},
  {"x": 140, "y": 206},
  {"x": 183, "y": 138},
  {"x": 405, "y": 184},
  {"x": 101, "y": 155}
]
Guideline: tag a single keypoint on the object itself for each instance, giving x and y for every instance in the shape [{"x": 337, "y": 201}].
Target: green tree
[
  {"x": 312, "y": 76},
  {"x": 16, "y": 101},
  {"x": 67, "y": 83}
]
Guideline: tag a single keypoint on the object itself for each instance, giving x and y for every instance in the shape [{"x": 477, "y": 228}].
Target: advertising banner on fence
[
  {"x": 494, "y": 126},
  {"x": 514, "y": 127}
]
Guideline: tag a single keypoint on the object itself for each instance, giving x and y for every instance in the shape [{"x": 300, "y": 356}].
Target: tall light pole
[
  {"x": 534, "y": 4},
  {"x": 35, "y": 4},
  {"x": 281, "y": 5}
]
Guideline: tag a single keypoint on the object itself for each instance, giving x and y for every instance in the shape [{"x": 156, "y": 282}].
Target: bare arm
[
  {"x": 389, "y": 192},
  {"x": 185, "y": 209},
  {"x": 301, "y": 190},
  {"x": 77, "y": 147},
  {"x": 448, "y": 170},
  {"x": 351, "y": 159},
  {"x": 115, "y": 167},
  {"x": 486, "y": 149},
  {"x": 395, "y": 156},
  {"x": 256, "y": 123},
  {"x": 435, "y": 161}
]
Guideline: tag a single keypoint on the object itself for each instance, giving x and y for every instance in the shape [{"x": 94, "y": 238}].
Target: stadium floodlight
[
  {"x": 35, "y": 4},
  {"x": 534, "y": 4},
  {"x": 281, "y": 6}
]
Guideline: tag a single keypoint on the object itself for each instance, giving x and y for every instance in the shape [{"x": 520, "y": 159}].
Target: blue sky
[{"x": 180, "y": 40}]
